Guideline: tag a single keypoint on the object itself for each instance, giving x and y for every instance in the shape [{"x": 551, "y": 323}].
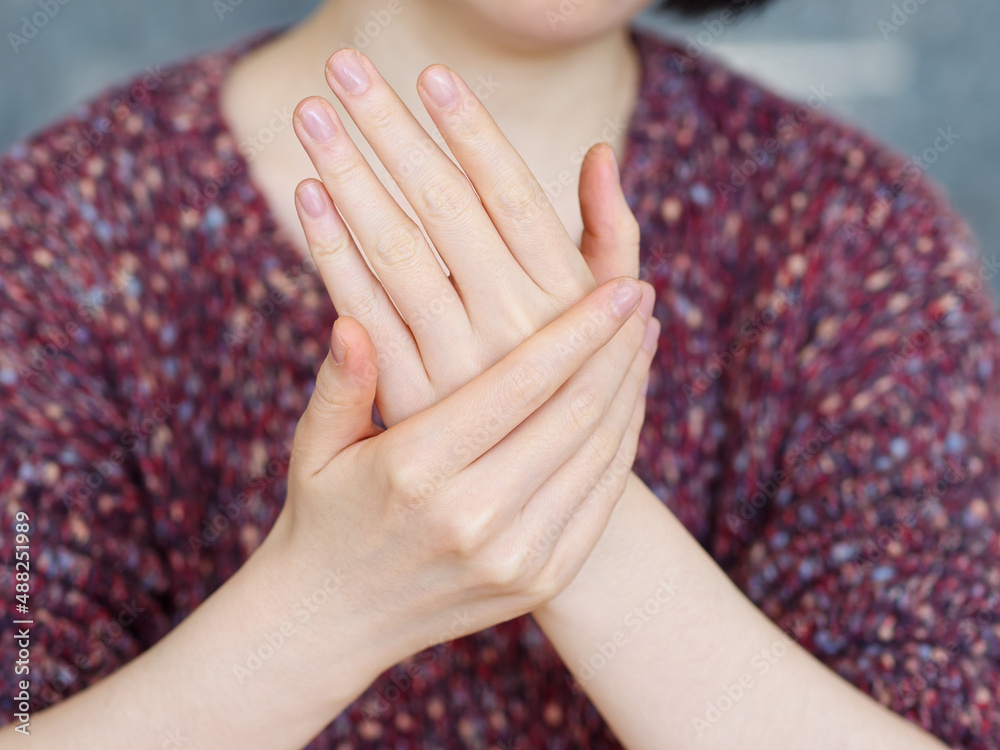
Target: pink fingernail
[
  {"x": 312, "y": 200},
  {"x": 626, "y": 293},
  {"x": 441, "y": 88},
  {"x": 350, "y": 71},
  {"x": 338, "y": 349},
  {"x": 614, "y": 166},
  {"x": 651, "y": 337},
  {"x": 317, "y": 122}
]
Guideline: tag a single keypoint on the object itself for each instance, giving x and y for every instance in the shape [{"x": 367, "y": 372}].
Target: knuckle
[
  {"x": 327, "y": 399},
  {"x": 603, "y": 444},
  {"x": 339, "y": 165},
  {"x": 445, "y": 197},
  {"x": 362, "y": 304},
  {"x": 586, "y": 406},
  {"x": 543, "y": 587},
  {"x": 331, "y": 244},
  {"x": 467, "y": 124},
  {"x": 399, "y": 245},
  {"x": 569, "y": 293},
  {"x": 526, "y": 384},
  {"x": 380, "y": 117},
  {"x": 521, "y": 198},
  {"x": 521, "y": 324},
  {"x": 464, "y": 534},
  {"x": 407, "y": 481},
  {"x": 506, "y": 572}
]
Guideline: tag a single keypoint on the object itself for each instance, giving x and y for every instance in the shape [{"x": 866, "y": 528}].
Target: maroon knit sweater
[{"x": 823, "y": 410}]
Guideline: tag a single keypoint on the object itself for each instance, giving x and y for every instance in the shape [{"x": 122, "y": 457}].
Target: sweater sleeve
[
  {"x": 868, "y": 522},
  {"x": 69, "y": 446}
]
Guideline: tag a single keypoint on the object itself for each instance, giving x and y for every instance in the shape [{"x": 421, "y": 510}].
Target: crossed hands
[{"x": 512, "y": 391}]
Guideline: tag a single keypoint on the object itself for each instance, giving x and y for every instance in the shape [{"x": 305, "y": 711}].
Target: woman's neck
[{"x": 529, "y": 89}]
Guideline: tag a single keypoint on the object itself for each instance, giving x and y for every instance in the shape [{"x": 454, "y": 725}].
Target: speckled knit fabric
[{"x": 823, "y": 410}]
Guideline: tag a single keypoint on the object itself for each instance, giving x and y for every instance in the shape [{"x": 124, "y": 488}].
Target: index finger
[{"x": 482, "y": 412}]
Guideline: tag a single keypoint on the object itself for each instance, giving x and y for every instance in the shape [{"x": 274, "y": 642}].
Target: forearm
[
  {"x": 653, "y": 631},
  {"x": 245, "y": 669}
]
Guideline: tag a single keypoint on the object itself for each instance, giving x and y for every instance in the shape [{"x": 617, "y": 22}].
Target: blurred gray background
[{"x": 900, "y": 69}]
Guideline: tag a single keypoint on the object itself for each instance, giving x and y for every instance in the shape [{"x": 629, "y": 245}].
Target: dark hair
[{"x": 701, "y": 7}]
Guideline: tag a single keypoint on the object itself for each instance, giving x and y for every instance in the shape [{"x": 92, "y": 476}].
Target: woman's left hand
[{"x": 514, "y": 268}]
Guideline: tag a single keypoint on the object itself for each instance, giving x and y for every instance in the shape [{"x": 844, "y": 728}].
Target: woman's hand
[
  {"x": 471, "y": 512},
  {"x": 514, "y": 268}
]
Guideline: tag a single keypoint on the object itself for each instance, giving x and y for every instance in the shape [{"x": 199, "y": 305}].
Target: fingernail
[
  {"x": 614, "y": 165},
  {"x": 652, "y": 334},
  {"x": 646, "y": 306},
  {"x": 350, "y": 72},
  {"x": 338, "y": 349},
  {"x": 624, "y": 297},
  {"x": 312, "y": 200},
  {"x": 316, "y": 120},
  {"x": 441, "y": 88}
]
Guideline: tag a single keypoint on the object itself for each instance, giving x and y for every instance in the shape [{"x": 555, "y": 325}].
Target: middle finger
[{"x": 394, "y": 245}]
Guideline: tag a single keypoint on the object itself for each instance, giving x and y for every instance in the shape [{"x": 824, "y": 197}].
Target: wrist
[
  {"x": 615, "y": 551},
  {"x": 307, "y": 607}
]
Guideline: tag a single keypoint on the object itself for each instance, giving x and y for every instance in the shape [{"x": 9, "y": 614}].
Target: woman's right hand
[
  {"x": 471, "y": 512},
  {"x": 468, "y": 513}
]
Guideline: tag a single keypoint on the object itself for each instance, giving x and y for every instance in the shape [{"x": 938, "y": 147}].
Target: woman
[{"x": 814, "y": 495}]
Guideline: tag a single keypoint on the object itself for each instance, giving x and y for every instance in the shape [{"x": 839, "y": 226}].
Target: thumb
[
  {"x": 339, "y": 413},
  {"x": 610, "y": 240}
]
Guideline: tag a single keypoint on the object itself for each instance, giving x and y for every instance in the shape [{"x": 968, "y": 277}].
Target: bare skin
[
  {"x": 599, "y": 80},
  {"x": 406, "y": 537}
]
